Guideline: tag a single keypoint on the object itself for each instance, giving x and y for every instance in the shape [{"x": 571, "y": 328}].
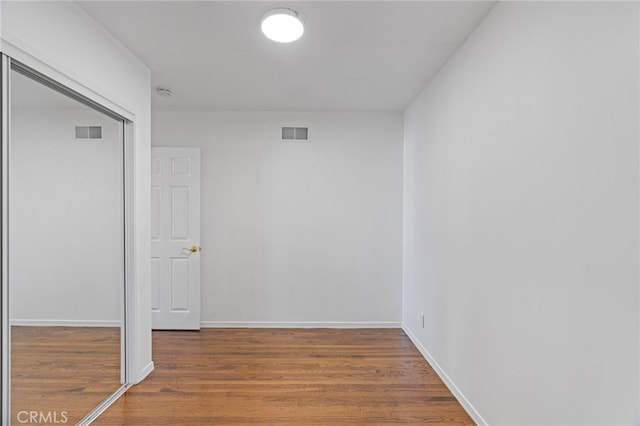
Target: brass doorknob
[{"x": 192, "y": 249}]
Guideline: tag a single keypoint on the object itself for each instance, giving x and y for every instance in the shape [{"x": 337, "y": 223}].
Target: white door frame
[
  {"x": 4, "y": 298},
  {"x": 9, "y": 55}
]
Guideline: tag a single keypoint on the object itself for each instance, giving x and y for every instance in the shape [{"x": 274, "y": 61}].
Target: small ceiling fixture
[
  {"x": 282, "y": 25},
  {"x": 164, "y": 92}
]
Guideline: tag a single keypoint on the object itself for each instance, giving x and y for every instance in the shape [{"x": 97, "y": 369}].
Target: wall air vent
[
  {"x": 295, "y": 133},
  {"x": 88, "y": 132}
]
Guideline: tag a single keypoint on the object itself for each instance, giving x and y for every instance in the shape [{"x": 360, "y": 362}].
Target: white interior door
[{"x": 175, "y": 238}]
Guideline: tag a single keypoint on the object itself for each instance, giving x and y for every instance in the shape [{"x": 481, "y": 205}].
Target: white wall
[
  {"x": 293, "y": 232},
  {"x": 521, "y": 215},
  {"x": 61, "y": 40},
  {"x": 65, "y": 204}
]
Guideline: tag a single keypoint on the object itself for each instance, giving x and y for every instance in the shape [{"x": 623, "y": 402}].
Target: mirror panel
[{"x": 66, "y": 254}]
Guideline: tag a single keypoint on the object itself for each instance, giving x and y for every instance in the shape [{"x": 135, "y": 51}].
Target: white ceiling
[{"x": 354, "y": 55}]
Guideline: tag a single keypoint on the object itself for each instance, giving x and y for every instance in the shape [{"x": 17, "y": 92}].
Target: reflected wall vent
[
  {"x": 295, "y": 133},
  {"x": 88, "y": 132}
]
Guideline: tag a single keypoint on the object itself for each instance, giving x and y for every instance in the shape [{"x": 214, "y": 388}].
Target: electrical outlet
[{"x": 422, "y": 320}]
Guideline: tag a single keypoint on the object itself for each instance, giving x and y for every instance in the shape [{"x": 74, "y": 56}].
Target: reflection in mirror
[{"x": 66, "y": 255}]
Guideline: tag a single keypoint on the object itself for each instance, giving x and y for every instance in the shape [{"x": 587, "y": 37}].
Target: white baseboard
[
  {"x": 303, "y": 324},
  {"x": 63, "y": 323},
  {"x": 469, "y": 408},
  {"x": 145, "y": 372}
]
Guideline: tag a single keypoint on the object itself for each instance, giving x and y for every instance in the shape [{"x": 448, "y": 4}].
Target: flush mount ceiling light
[{"x": 282, "y": 25}]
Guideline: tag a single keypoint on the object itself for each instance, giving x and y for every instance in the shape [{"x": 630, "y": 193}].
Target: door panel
[
  {"x": 155, "y": 213},
  {"x": 175, "y": 230},
  {"x": 180, "y": 213},
  {"x": 65, "y": 232},
  {"x": 180, "y": 284},
  {"x": 155, "y": 289}
]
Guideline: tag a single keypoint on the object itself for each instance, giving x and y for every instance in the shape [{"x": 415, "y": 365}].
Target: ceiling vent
[
  {"x": 88, "y": 132},
  {"x": 295, "y": 133}
]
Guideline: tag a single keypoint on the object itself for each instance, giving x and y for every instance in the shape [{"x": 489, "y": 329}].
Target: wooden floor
[
  {"x": 287, "y": 377},
  {"x": 62, "y": 369}
]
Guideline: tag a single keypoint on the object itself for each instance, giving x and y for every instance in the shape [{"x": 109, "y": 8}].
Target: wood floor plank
[
  {"x": 62, "y": 369},
  {"x": 287, "y": 377}
]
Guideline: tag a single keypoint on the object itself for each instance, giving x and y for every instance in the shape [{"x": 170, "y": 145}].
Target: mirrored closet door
[{"x": 66, "y": 252}]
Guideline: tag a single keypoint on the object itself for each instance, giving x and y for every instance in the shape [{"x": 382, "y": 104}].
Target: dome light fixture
[{"x": 282, "y": 25}]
